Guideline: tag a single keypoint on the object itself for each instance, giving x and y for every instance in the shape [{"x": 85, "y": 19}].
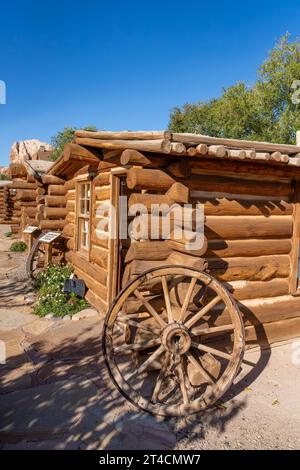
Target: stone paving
[{"x": 55, "y": 392}]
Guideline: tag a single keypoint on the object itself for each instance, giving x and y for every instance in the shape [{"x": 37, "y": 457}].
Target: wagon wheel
[
  {"x": 35, "y": 259},
  {"x": 173, "y": 340}
]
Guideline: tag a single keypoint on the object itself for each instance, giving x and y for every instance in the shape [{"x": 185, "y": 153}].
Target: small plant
[
  {"x": 51, "y": 298},
  {"x": 18, "y": 246},
  {"x": 8, "y": 234}
]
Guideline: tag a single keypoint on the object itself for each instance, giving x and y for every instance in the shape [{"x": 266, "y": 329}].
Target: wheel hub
[{"x": 176, "y": 339}]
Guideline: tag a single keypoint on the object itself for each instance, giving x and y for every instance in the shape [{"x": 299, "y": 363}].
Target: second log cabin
[{"x": 251, "y": 198}]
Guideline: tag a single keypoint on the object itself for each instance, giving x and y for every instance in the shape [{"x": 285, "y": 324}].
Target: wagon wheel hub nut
[{"x": 176, "y": 338}]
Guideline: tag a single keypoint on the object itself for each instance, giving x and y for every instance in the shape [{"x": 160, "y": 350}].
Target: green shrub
[
  {"x": 8, "y": 234},
  {"x": 18, "y": 246},
  {"x": 51, "y": 298}
]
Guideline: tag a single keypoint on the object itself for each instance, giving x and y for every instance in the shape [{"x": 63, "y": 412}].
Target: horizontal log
[
  {"x": 71, "y": 244},
  {"x": 148, "y": 250},
  {"x": 160, "y": 145},
  {"x": 258, "y": 168},
  {"x": 22, "y": 185},
  {"x": 156, "y": 180},
  {"x": 216, "y": 151},
  {"x": 30, "y": 211},
  {"x": 260, "y": 268},
  {"x": 102, "y": 194},
  {"x": 91, "y": 283},
  {"x": 70, "y": 217},
  {"x": 102, "y": 179},
  {"x": 70, "y": 184},
  {"x": 270, "y": 333},
  {"x": 88, "y": 171},
  {"x": 134, "y": 157},
  {"x": 238, "y": 186},
  {"x": 223, "y": 206},
  {"x": 96, "y": 302},
  {"x": 179, "y": 169},
  {"x": 71, "y": 195},
  {"x": 56, "y": 190},
  {"x": 251, "y": 247},
  {"x": 127, "y": 135},
  {"x": 52, "y": 179},
  {"x": 26, "y": 195},
  {"x": 97, "y": 241},
  {"x": 99, "y": 256},
  {"x": 238, "y": 227},
  {"x": 188, "y": 247},
  {"x": 70, "y": 206},
  {"x": 240, "y": 144},
  {"x": 55, "y": 201},
  {"x": 242, "y": 290},
  {"x": 69, "y": 230},
  {"x": 55, "y": 213},
  {"x": 96, "y": 272},
  {"x": 52, "y": 224}
]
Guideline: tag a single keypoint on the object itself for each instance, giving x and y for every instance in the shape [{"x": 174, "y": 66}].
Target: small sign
[
  {"x": 49, "y": 237},
  {"x": 30, "y": 229}
]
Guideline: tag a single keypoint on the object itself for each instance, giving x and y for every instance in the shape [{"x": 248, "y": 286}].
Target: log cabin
[
  {"x": 250, "y": 192},
  {"x": 23, "y": 197}
]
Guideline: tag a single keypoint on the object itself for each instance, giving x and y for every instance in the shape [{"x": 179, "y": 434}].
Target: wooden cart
[{"x": 177, "y": 320}]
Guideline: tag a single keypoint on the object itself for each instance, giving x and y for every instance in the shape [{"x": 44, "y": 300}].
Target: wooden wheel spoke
[
  {"x": 213, "y": 351},
  {"x": 147, "y": 363},
  {"x": 161, "y": 377},
  {"x": 136, "y": 346},
  {"x": 187, "y": 299},
  {"x": 150, "y": 309},
  {"x": 203, "y": 311},
  {"x": 209, "y": 330},
  {"x": 127, "y": 321},
  {"x": 182, "y": 383},
  {"x": 167, "y": 299},
  {"x": 198, "y": 366}
]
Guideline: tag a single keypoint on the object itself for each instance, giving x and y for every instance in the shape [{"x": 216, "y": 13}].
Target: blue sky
[{"x": 124, "y": 65}]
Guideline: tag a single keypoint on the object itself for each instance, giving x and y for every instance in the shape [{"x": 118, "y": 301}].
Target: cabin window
[{"x": 83, "y": 217}]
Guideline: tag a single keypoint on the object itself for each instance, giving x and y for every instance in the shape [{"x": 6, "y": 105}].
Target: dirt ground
[{"x": 55, "y": 392}]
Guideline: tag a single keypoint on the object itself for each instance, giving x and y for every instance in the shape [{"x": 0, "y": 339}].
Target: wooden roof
[
  {"x": 190, "y": 145},
  {"x": 89, "y": 148}
]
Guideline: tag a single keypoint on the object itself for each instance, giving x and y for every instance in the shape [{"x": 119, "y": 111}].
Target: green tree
[
  {"x": 4, "y": 177},
  {"x": 63, "y": 137},
  {"x": 265, "y": 111}
]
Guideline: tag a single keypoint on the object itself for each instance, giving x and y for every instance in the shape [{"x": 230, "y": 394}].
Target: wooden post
[{"x": 48, "y": 254}]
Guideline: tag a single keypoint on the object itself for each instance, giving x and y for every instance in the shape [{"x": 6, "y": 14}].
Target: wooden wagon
[{"x": 178, "y": 318}]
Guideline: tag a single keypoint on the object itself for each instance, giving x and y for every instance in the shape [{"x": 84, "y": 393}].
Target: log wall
[{"x": 249, "y": 227}]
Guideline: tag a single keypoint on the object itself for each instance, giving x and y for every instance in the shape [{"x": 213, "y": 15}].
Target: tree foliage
[
  {"x": 63, "y": 137},
  {"x": 265, "y": 111}
]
